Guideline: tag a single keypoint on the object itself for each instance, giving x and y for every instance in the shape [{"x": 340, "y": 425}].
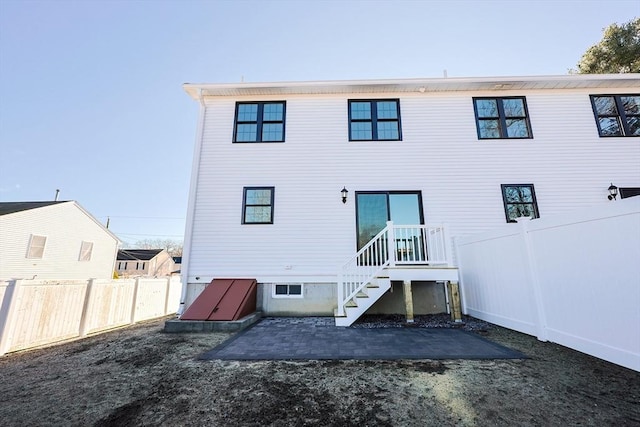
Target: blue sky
[{"x": 91, "y": 101}]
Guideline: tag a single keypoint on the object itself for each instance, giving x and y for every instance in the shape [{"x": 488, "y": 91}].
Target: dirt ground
[{"x": 143, "y": 376}]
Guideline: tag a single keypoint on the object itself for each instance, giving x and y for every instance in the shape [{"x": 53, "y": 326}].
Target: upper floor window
[
  {"x": 519, "y": 201},
  {"x": 502, "y": 118},
  {"x": 257, "y": 205},
  {"x": 36, "y": 246},
  {"x": 259, "y": 122},
  {"x": 85, "y": 251},
  {"x": 374, "y": 120},
  {"x": 617, "y": 115}
]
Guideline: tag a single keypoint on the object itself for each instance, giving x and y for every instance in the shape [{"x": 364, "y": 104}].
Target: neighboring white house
[
  {"x": 54, "y": 240},
  {"x": 271, "y": 161},
  {"x": 144, "y": 262}
]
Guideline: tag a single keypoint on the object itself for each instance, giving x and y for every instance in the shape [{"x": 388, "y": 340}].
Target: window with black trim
[
  {"x": 502, "y": 118},
  {"x": 374, "y": 120},
  {"x": 257, "y": 205},
  {"x": 519, "y": 201},
  {"x": 288, "y": 290},
  {"x": 617, "y": 115},
  {"x": 259, "y": 121}
]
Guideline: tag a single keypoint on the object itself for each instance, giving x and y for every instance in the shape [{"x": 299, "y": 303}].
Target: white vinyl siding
[
  {"x": 66, "y": 226},
  {"x": 440, "y": 155}
]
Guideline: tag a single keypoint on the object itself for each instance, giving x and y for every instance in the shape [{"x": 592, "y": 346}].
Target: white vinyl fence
[
  {"x": 38, "y": 312},
  {"x": 573, "y": 280}
]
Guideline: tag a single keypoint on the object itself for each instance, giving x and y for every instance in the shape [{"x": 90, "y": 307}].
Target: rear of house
[{"x": 290, "y": 180}]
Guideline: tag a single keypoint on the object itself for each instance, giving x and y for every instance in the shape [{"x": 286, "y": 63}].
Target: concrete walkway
[{"x": 317, "y": 338}]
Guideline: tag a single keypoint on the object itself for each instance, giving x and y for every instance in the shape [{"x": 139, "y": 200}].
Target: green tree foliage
[{"x": 617, "y": 52}]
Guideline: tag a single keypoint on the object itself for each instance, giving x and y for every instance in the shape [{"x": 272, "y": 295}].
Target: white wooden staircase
[
  {"x": 398, "y": 252},
  {"x": 363, "y": 300}
]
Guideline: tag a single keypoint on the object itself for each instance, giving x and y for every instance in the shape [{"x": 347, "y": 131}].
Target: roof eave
[{"x": 199, "y": 90}]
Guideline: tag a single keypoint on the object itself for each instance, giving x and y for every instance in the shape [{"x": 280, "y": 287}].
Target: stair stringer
[{"x": 372, "y": 293}]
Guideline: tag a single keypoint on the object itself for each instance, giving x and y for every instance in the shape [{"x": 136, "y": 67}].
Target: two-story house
[
  {"x": 53, "y": 240},
  {"x": 144, "y": 263},
  {"x": 327, "y": 192}
]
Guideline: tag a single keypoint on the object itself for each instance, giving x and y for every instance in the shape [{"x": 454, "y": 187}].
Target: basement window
[
  {"x": 36, "y": 247},
  {"x": 287, "y": 290}
]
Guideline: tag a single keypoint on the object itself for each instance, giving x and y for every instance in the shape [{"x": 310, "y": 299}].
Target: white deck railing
[
  {"x": 420, "y": 245},
  {"x": 395, "y": 245}
]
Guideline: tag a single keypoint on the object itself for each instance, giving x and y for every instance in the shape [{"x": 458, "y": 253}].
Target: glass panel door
[
  {"x": 404, "y": 209},
  {"x": 372, "y": 214},
  {"x": 374, "y": 209}
]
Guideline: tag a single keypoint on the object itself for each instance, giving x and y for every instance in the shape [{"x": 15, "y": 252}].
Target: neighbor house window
[
  {"x": 36, "y": 246},
  {"x": 617, "y": 115},
  {"x": 257, "y": 205},
  {"x": 502, "y": 118},
  {"x": 374, "y": 120},
  {"x": 287, "y": 290},
  {"x": 259, "y": 122},
  {"x": 122, "y": 265},
  {"x": 85, "y": 251},
  {"x": 519, "y": 201},
  {"x": 140, "y": 265}
]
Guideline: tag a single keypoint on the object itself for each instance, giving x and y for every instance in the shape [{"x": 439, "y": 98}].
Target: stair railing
[
  {"x": 364, "y": 266},
  {"x": 395, "y": 245}
]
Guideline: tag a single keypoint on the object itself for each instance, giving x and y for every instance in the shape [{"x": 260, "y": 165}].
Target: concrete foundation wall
[
  {"x": 319, "y": 299},
  {"x": 428, "y": 298}
]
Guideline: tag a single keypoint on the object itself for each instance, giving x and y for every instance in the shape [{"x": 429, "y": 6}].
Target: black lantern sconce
[
  {"x": 613, "y": 192},
  {"x": 344, "y": 193}
]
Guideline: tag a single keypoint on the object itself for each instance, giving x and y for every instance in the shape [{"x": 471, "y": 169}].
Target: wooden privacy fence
[
  {"x": 572, "y": 279},
  {"x": 39, "y": 312}
]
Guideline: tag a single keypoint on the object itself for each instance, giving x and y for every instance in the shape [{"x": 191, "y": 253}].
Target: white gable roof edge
[
  {"x": 77, "y": 205},
  {"x": 117, "y": 239}
]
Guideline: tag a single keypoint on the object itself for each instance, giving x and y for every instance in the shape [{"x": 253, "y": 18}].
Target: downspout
[{"x": 191, "y": 206}]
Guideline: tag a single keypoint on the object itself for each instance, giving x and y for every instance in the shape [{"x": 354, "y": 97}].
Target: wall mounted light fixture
[
  {"x": 344, "y": 193},
  {"x": 613, "y": 192}
]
